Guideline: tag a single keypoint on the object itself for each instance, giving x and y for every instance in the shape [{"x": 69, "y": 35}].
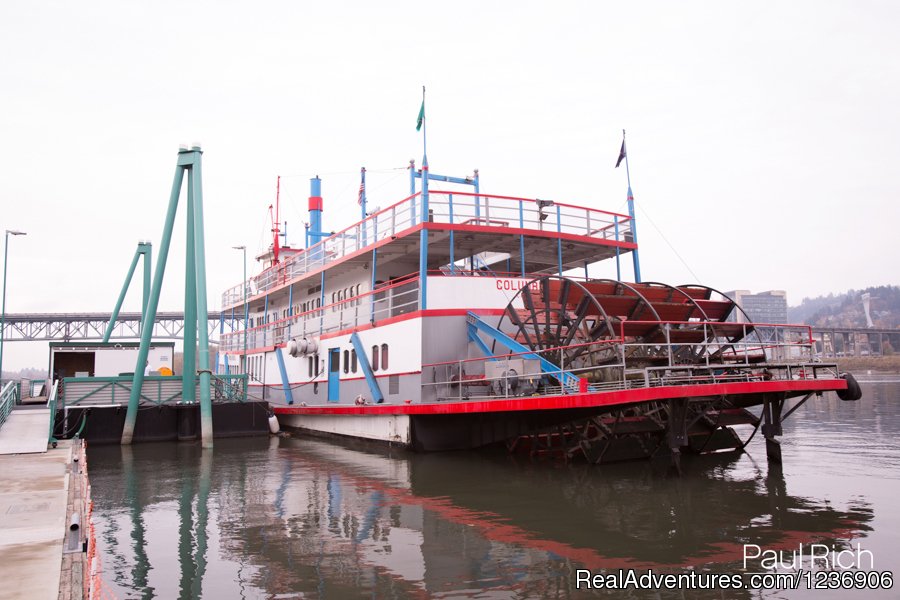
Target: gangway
[{"x": 23, "y": 429}]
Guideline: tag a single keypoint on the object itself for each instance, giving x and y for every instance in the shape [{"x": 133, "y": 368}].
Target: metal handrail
[
  {"x": 8, "y": 398},
  {"x": 452, "y": 208},
  {"x": 157, "y": 389},
  {"x": 51, "y": 404},
  {"x": 795, "y": 360},
  {"x": 387, "y": 301}
]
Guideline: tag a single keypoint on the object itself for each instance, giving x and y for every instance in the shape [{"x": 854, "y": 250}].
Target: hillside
[{"x": 846, "y": 310}]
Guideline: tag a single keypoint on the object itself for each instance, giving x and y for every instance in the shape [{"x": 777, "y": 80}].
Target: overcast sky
[{"x": 764, "y": 137}]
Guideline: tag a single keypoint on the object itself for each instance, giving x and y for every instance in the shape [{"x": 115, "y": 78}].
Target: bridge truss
[{"x": 69, "y": 327}]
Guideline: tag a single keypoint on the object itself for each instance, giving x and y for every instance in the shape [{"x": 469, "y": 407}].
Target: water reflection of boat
[{"x": 338, "y": 521}]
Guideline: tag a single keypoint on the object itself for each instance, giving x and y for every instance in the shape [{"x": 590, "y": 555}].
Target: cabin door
[{"x": 334, "y": 374}]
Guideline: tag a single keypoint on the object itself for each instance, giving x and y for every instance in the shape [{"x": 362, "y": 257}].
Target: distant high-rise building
[{"x": 765, "y": 307}]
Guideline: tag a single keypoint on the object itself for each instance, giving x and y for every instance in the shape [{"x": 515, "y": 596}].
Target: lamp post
[
  {"x": 246, "y": 308},
  {"x": 9, "y": 232}
]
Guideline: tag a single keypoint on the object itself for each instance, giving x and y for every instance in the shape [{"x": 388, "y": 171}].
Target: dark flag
[{"x": 621, "y": 154}]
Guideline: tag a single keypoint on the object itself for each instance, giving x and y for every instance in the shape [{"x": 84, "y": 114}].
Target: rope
[{"x": 646, "y": 214}]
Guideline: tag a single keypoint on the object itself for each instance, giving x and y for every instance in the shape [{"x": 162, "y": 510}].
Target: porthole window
[
  {"x": 346, "y": 361},
  {"x": 384, "y": 356},
  {"x": 353, "y": 361},
  {"x": 374, "y": 358}
]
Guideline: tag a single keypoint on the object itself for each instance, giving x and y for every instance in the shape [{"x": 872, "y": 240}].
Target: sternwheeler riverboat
[{"x": 458, "y": 319}]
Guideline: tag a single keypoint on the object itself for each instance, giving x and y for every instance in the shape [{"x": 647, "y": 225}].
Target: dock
[{"x": 43, "y": 510}]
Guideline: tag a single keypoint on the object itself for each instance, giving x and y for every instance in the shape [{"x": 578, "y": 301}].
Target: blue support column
[
  {"x": 634, "y": 255},
  {"x": 522, "y": 236},
  {"x": 618, "y": 251},
  {"x": 265, "y": 330},
  {"x": 290, "y": 309},
  {"x": 477, "y": 184},
  {"x": 452, "y": 257},
  {"x": 372, "y": 295},
  {"x": 412, "y": 192},
  {"x": 476, "y": 325},
  {"x": 322, "y": 303},
  {"x": 363, "y": 359},
  {"x": 559, "y": 240},
  {"x": 285, "y": 382}
]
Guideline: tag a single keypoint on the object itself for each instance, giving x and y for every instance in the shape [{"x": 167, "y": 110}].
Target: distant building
[{"x": 765, "y": 307}]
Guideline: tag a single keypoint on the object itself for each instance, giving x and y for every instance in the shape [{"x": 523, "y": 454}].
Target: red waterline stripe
[{"x": 588, "y": 400}]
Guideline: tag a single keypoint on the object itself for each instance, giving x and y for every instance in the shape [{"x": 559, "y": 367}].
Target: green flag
[{"x": 421, "y": 118}]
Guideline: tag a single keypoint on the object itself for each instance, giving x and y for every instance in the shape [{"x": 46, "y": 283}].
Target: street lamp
[
  {"x": 246, "y": 308},
  {"x": 9, "y": 232}
]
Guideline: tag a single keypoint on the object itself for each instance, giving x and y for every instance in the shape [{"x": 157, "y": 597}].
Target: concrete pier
[{"x": 41, "y": 557}]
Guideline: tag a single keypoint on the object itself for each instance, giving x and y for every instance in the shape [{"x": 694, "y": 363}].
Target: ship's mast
[{"x": 276, "y": 232}]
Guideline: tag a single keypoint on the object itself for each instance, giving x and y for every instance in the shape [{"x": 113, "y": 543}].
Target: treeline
[{"x": 846, "y": 310}]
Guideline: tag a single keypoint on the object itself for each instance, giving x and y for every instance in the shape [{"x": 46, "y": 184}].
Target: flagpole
[
  {"x": 635, "y": 257},
  {"x": 423, "y": 233},
  {"x": 362, "y": 203},
  {"x": 424, "y": 133}
]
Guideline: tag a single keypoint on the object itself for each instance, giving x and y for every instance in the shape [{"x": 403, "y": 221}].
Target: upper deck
[{"x": 541, "y": 236}]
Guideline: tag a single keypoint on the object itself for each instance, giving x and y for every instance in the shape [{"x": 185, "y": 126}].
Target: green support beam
[
  {"x": 143, "y": 249},
  {"x": 195, "y": 298}
]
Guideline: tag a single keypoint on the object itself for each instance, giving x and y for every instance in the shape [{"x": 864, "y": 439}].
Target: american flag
[{"x": 362, "y": 186}]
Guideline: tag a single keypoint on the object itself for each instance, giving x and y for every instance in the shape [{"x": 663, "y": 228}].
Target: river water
[{"x": 306, "y": 518}]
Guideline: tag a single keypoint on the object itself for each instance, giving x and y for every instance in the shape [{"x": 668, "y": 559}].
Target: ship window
[
  {"x": 309, "y": 360},
  {"x": 335, "y": 365},
  {"x": 316, "y": 360},
  {"x": 384, "y": 356},
  {"x": 374, "y": 358},
  {"x": 353, "y": 364},
  {"x": 346, "y": 361}
]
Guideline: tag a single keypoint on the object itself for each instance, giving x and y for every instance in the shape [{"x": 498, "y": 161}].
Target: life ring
[{"x": 853, "y": 391}]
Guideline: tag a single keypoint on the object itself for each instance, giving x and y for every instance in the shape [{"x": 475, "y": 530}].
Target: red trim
[
  {"x": 367, "y": 250},
  {"x": 417, "y": 314},
  {"x": 511, "y": 231},
  {"x": 625, "y": 218},
  {"x": 299, "y": 383},
  {"x": 438, "y": 227},
  {"x": 315, "y": 203},
  {"x": 588, "y": 400}
]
